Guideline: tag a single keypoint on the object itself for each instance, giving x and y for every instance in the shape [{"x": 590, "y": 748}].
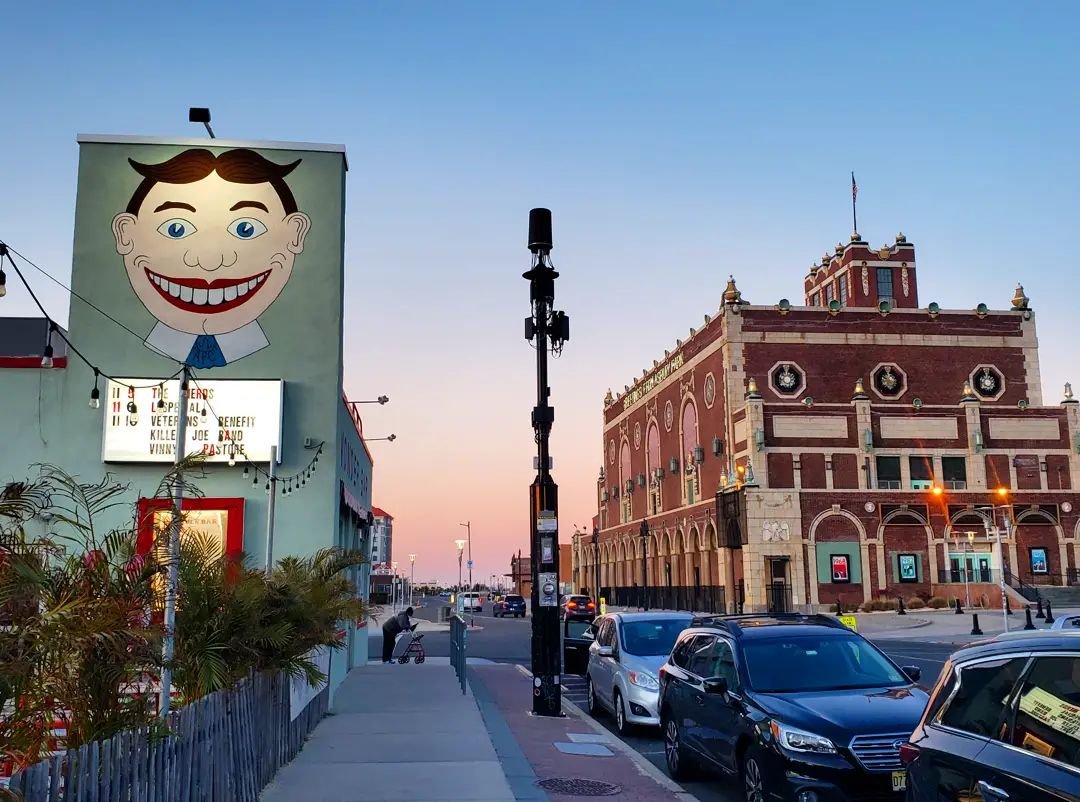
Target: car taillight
[
  {"x": 908, "y": 753},
  {"x": 571, "y": 604},
  {"x": 591, "y": 605}
]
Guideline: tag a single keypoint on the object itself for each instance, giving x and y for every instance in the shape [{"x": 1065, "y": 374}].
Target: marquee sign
[
  {"x": 226, "y": 419},
  {"x": 653, "y": 381}
]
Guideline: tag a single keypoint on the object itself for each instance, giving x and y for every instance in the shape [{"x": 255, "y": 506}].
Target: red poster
[{"x": 840, "y": 571}]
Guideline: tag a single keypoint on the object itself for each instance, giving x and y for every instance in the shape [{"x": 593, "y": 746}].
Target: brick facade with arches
[{"x": 854, "y": 447}]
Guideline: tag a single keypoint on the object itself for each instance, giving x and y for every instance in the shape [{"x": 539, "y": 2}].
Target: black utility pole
[
  {"x": 596, "y": 561},
  {"x": 544, "y": 327},
  {"x": 644, "y": 565}
]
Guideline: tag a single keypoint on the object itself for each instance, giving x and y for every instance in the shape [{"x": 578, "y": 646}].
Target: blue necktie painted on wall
[{"x": 206, "y": 353}]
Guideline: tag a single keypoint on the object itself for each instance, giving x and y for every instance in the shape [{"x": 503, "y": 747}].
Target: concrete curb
[{"x": 640, "y": 762}]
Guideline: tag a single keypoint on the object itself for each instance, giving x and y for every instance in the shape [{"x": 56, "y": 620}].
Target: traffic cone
[{"x": 975, "y": 624}]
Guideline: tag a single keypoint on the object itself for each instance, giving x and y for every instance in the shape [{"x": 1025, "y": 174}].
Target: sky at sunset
[{"x": 676, "y": 143}]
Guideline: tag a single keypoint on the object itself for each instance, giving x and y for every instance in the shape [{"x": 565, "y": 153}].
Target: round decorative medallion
[
  {"x": 987, "y": 382},
  {"x": 637, "y": 436},
  {"x": 669, "y": 416},
  {"x": 889, "y": 381},
  {"x": 611, "y": 451},
  {"x": 787, "y": 379},
  {"x": 710, "y": 390},
  {"x": 1066, "y": 506},
  {"x": 869, "y": 506}
]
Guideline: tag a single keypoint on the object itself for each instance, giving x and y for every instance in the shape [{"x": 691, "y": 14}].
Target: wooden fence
[{"x": 225, "y": 747}]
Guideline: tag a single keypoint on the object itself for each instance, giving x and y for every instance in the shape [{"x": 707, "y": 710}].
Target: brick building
[{"x": 855, "y": 447}]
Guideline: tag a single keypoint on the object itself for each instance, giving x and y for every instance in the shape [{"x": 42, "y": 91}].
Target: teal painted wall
[
  {"x": 827, "y": 548},
  {"x": 46, "y": 415}
]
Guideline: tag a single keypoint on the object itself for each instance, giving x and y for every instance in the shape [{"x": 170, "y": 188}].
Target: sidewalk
[
  {"x": 396, "y": 734},
  {"x": 408, "y": 734}
]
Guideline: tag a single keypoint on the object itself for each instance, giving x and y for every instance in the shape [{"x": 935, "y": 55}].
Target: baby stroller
[{"x": 413, "y": 648}]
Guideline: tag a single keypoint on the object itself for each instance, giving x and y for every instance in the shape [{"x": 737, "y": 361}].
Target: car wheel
[
  {"x": 590, "y": 695},
  {"x": 678, "y": 764},
  {"x": 753, "y": 781},
  {"x": 620, "y": 714}
]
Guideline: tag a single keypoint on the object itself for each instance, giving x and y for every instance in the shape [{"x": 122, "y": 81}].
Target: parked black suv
[
  {"x": 1002, "y": 723},
  {"x": 799, "y": 707}
]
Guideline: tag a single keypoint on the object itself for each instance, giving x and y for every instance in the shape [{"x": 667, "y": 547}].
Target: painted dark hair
[{"x": 239, "y": 166}]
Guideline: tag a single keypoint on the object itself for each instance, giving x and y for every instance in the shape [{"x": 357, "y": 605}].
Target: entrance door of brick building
[{"x": 778, "y": 591}]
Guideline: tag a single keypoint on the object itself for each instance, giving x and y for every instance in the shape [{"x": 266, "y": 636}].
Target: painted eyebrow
[
  {"x": 249, "y": 204},
  {"x": 174, "y": 205}
]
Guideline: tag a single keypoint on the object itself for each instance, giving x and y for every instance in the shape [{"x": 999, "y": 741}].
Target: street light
[
  {"x": 412, "y": 576},
  {"x": 460, "y": 549},
  {"x": 596, "y": 561},
  {"x": 644, "y": 565},
  {"x": 468, "y": 527}
]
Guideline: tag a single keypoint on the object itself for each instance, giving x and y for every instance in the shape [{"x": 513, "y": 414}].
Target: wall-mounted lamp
[
  {"x": 674, "y": 465},
  {"x": 1022, "y": 403},
  {"x": 604, "y": 495},
  {"x": 834, "y": 307},
  {"x": 828, "y": 464},
  {"x": 808, "y": 401},
  {"x": 982, "y": 310},
  {"x": 658, "y": 474},
  {"x": 717, "y": 446},
  {"x": 978, "y": 441},
  {"x": 916, "y": 403},
  {"x": 629, "y": 485},
  {"x": 868, "y": 440},
  {"x": 934, "y": 309},
  {"x": 699, "y": 454},
  {"x": 784, "y": 306},
  {"x": 641, "y": 480},
  {"x": 200, "y": 115},
  {"x": 759, "y": 439},
  {"x": 884, "y": 307}
]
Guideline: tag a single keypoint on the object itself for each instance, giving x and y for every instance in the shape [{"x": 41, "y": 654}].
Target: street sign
[
  {"x": 603, "y": 605},
  {"x": 469, "y": 563},
  {"x": 850, "y": 622}
]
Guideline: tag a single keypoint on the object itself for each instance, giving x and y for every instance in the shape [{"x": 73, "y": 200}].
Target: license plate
[{"x": 899, "y": 780}]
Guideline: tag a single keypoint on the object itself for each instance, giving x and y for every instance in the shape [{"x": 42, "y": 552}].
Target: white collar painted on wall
[{"x": 234, "y": 345}]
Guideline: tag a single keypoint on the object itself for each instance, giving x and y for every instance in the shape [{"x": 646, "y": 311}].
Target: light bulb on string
[
  {"x": 133, "y": 413},
  {"x": 255, "y": 481},
  {"x": 95, "y": 394},
  {"x": 47, "y": 355},
  {"x": 246, "y": 472},
  {"x": 3, "y": 283},
  {"x": 161, "y": 396}
]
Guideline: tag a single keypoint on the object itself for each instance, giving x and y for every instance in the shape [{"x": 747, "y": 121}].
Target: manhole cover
[{"x": 572, "y": 786}]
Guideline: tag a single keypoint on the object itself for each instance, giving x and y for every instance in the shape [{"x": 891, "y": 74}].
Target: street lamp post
[
  {"x": 412, "y": 577},
  {"x": 596, "y": 561},
  {"x": 546, "y": 328},
  {"x": 460, "y": 550},
  {"x": 468, "y": 529},
  {"x": 644, "y": 565}
]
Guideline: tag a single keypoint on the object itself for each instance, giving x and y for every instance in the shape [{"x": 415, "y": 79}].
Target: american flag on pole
[{"x": 854, "y": 188}]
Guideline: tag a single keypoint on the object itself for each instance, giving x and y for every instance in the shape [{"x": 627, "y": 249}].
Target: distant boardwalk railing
[
  {"x": 458, "y": 633},
  {"x": 226, "y": 746}
]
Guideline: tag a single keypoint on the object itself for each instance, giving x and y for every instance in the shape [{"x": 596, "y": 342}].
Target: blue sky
[{"x": 675, "y": 143}]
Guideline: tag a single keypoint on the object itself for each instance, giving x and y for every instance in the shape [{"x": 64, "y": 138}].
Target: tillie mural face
[{"x": 209, "y": 243}]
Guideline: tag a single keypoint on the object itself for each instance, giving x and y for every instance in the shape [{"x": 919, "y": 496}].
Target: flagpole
[{"x": 854, "y": 192}]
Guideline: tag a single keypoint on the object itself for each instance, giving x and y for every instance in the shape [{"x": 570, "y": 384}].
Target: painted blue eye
[
  {"x": 177, "y": 228},
  {"x": 246, "y": 228}
]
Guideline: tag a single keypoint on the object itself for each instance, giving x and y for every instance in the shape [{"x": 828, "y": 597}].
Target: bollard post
[
  {"x": 959, "y": 608},
  {"x": 1008, "y": 607},
  {"x": 839, "y": 606},
  {"x": 1039, "y": 610},
  {"x": 1028, "y": 624},
  {"x": 975, "y": 624},
  {"x": 1049, "y": 613},
  {"x": 900, "y": 606}
]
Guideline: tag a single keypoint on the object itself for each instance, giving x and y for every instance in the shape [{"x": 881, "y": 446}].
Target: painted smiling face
[{"x": 209, "y": 242}]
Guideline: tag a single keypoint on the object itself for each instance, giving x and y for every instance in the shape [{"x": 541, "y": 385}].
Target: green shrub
[
  {"x": 915, "y": 603},
  {"x": 937, "y": 603}
]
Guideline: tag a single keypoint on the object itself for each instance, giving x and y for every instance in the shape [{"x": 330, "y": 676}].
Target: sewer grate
[{"x": 573, "y": 786}]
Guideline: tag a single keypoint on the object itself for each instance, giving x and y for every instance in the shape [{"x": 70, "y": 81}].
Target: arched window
[
  {"x": 652, "y": 455},
  {"x": 626, "y": 477}
]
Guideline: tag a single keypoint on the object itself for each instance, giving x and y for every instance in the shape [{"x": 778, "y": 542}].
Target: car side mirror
[
  {"x": 716, "y": 685},
  {"x": 604, "y": 651},
  {"x": 914, "y": 673}
]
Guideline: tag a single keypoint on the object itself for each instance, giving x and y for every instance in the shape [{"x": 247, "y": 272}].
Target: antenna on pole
[{"x": 200, "y": 115}]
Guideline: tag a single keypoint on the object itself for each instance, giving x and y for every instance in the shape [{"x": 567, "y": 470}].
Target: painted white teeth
[
  {"x": 229, "y": 294},
  {"x": 185, "y": 293},
  {"x": 174, "y": 289},
  {"x": 198, "y": 297},
  {"x": 203, "y": 297},
  {"x": 252, "y": 284},
  {"x": 215, "y": 297},
  {"x": 241, "y": 289}
]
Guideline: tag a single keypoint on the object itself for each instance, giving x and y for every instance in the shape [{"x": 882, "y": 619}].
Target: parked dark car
[
  {"x": 799, "y": 707},
  {"x": 510, "y": 604},
  {"x": 578, "y": 608},
  {"x": 1002, "y": 723}
]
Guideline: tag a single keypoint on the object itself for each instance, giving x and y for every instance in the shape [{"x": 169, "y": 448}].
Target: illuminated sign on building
[
  {"x": 653, "y": 381},
  {"x": 226, "y": 419}
]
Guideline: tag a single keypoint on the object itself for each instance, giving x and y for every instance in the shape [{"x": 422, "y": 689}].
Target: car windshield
[
  {"x": 652, "y": 638},
  {"x": 817, "y": 663},
  {"x": 515, "y": 599}
]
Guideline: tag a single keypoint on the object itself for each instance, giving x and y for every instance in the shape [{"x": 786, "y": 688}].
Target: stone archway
[
  {"x": 1038, "y": 543},
  {"x": 837, "y": 546}
]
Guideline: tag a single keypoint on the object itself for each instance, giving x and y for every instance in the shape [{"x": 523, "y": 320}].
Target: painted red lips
[{"x": 200, "y": 295}]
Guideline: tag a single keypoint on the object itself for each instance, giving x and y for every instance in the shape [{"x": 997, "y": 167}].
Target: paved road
[{"x": 506, "y": 640}]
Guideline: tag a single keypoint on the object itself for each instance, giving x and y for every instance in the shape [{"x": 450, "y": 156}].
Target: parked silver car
[{"x": 627, "y": 652}]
